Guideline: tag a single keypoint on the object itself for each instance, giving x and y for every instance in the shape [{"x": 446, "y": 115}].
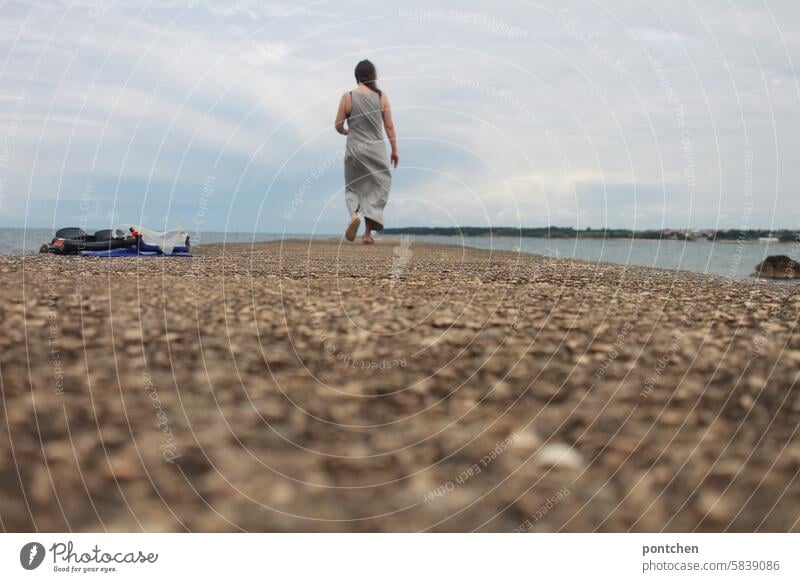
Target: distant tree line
[{"x": 569, "y": 232}]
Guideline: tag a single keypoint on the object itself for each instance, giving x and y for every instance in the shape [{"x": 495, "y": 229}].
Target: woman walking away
[{"x": 366, "y": 166}]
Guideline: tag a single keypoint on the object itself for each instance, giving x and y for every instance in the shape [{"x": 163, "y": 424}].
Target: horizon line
[{"x": 463, "y": 227}]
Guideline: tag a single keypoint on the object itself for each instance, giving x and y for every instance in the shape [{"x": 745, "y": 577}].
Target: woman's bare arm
[
  {"x": 341, "y": 115},
  {"x": 388, "y": 123}
]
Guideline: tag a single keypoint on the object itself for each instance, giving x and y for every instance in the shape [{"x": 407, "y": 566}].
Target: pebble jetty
[{"x": 332, "y": 386}]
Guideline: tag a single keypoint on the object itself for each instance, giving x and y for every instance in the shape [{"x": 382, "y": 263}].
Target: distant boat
[{"x": 768, "y": 239}]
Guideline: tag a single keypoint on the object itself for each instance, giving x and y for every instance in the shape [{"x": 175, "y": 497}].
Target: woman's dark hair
[{"x": 366, "y": 75}]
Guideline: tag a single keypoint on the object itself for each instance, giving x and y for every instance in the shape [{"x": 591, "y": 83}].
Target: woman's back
[{"x": 365, "y": 123}]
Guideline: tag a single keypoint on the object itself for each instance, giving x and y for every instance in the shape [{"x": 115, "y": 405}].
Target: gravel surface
[{"x": 330, "y": 386}]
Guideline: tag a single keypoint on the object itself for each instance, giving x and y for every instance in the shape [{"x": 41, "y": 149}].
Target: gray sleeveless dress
[{"x": 366, "y": 165}]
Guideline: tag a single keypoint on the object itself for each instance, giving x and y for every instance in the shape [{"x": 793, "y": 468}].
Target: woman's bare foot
[
  {"x": 352, "y": 228},
  {"x": 368, "y": 240}
]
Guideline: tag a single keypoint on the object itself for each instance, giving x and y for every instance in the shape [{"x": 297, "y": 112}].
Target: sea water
[{"x": 728, "y": 259}]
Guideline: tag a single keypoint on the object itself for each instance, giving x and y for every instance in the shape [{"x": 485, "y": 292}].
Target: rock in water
[{"x": 778, "y": 267}]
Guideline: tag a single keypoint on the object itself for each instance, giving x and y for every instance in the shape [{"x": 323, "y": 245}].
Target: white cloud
[{"x": 495, "y": 105}]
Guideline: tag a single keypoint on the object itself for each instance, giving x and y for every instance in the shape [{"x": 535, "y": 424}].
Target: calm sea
[{"x": 727, "y": 259}]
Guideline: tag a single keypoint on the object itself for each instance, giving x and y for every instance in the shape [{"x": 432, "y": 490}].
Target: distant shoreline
[{"x": 722, "y": 235}]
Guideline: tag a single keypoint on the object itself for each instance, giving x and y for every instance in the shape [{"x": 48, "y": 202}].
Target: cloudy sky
[{"x": 219, "y": 116}]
